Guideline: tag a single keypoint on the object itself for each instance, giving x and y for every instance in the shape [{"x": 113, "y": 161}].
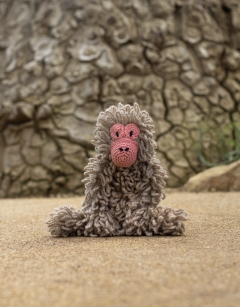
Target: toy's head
[
  {"x": 124, "y": 147},
  {"x": 124, "y": 135}
]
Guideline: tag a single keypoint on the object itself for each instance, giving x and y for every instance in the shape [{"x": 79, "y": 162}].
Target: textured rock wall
[{"x": 63, "y": 61}]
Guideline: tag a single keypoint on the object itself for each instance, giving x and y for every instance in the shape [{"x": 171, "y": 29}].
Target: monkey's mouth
[
  {"x": 124, "y": 152},
  {"x": 123, "y": 160}
]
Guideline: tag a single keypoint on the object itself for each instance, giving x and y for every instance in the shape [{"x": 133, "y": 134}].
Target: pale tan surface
[{"x": 201, "y": 268}]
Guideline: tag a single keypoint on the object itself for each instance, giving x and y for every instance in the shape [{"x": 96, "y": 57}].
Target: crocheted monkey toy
[{"x": 123, "y": 183}]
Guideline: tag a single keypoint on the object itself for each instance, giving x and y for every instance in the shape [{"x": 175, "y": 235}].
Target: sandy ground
[{"x": 202, "y": 268}]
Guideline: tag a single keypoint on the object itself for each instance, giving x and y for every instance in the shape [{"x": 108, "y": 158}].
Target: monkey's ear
[
  {"x": 120, "y": 105},
  {"x": 117, "y": 131},
  {"x": 132, "y": 131},
  {"x": 136, "y": 107}
]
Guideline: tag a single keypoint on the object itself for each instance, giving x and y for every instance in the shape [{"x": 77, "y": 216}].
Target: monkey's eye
[
  {"x": 117, "y": 131},
  {"x": 132, "y": 130}
]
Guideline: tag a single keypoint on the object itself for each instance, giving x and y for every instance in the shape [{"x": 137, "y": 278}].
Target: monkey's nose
[{"x": 122, "y": 149}]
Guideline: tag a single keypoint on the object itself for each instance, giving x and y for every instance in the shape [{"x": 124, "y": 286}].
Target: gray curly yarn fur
[{"x": 121, "y": 201}]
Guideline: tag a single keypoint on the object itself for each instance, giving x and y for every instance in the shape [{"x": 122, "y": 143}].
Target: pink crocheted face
[{"x": 124, "y": 147}]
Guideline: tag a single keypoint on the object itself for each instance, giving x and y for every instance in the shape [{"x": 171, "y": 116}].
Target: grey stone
[
  {"x": 65, "y": 108},
  {"x": 232, "y": 85},
  {"x": 65, "y": 29},
  {"x": 88, "y": 112},
  {"x": 15, "y": 189},
  {"x": 219, "y": 178},
  {"x": 167, "y": 69},
  {"x": 55, "y": 57},
  {"x": 39, "y": 173},
  {"x": 42, "y": 46},
  {"x": 76, "y": 72},
  {"x": 56, "y": 100},
  {"x": 201, "y": 88},
  {"x": 192, "y": 115},
  {"x": 59, "y": 86},
  {"x": 236, "y": 117},
  {"x": 180, "y": 133},
  {"x": 45, "y": 124},
  {"x": 110, "y": 87},
  {"x": 179, "y": 172},
  {"x": 44, "y": 111},
  {"x": 153, "y": 56},
  {"x": 235, "y": 17},
  {"x": 118, "y": 29},
  {"x": 31, "y": 155},
  {"x": 162, "y": 127},
  {"x": 36, "y": 86},
  {"x": 62, "y": 62},
  {"x": 213, "y": 33},
  {"x": 175, "y": 116},
  {"x": 161, "y": 8},
  {"x": 87, "y": 90},
  {"x": 60, "y": 180},
  {"x": 130, "y": 84},
  {"x": 11, "y": 135},
  {"x": 88, "y": 53},
  {"x": 153, "y": 30},
  {"x": 232, "y": 58},
  {"x": 78, "y": 131},
  {"x": 50, "y": 13},
  {"x": 192, "y": 35},
  {"x": 190, "y": 77},
  {"x": 208, "y": 49},
  {"x": 158, "y": 108},
  {"x": 175, "y": 92},
  {"x": 5, "y": 184},
  {"x": 34, "y": 67},
  {"x": 152, "y": 82},
  {"x": 53, "y": 71},
  {"x": 37, "y": 140},
  {"x": 108, "y": 63},
  {"x": 21, "y": 112},
  {"x": 68, "y": 147},
  {"x": 131, "y": 56},
  {"x": 219, "y": 96},
  {"x": 17, "y": 171},
  {"x": 77, "y": 160},
  {"x": 11, "y": 158},
  {"x": 202, "y": 103},
  {"x": 49, "y": 152},
  {"x": 177, "y": 54},
  {"x": 166, "y": 142}
]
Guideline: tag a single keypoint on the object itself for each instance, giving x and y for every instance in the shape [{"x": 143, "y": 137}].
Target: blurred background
[{"x": 63, "y": 61}]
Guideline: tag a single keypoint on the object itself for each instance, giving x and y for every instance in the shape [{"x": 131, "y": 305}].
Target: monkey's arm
[
  {"x": 164, "y": 220},
  {"x": 94, "y": 219},
  {"x": 146, "y": 216}
]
